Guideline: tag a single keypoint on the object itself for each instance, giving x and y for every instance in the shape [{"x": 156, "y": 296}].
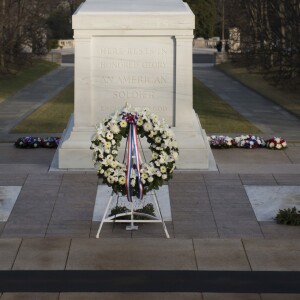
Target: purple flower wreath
[{"x": 36, "y": 142}]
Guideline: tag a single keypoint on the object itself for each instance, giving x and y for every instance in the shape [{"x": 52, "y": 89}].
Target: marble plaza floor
[{"x": 203, "y": 204}]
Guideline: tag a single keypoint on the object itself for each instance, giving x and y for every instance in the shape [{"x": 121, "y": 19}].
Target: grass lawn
[
  {"x": 12, "y": 83},
  {"x": 217, "y": 116},
  {"x": 51, "y": 117},
  {"x": 290, "y": 100}
]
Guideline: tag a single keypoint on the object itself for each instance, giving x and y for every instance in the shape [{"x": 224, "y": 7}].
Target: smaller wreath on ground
[
  {"x": 276, "y": 143},
  {"x": 50, "y": 142},
  {"x": 37, "y": 142},
  {"x": 163, "y": 146},
  {"x": 220, "y": 141},
  {"x": 249, "y": 141},
  {"x": 28, "y": 142}
]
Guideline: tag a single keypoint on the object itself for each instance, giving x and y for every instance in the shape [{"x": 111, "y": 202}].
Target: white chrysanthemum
[
  {"x": 157, "y": 139},
  {"x": 150, "y": 179},
  {"x": 109, "y": 157},
  {"x": 163, "y": 169},
  {"x": 139, "y": 122},
  {"x": 110, "y": 179},
  {"x": 154, "y": 155},
  {"x": 114, "y": 164},
  {"x": 115, "y": 129},
  {"x": 122, "y": 180},
  {"x": 278, "y": 146},
  {"x": 109, "y": 136},
  {"x": 271, "y": 145},
  {"x": 107, "y": 144},
  {"x": 284, "y": 144},
  {"x": 123, "y": 124},
  {"x": 164, "y": 176},
  {"x": 147, "y": 127},
  {"x": 144, "y": 175}
]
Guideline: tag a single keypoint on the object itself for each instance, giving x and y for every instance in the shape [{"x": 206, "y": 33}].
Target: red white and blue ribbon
[{"x": 133, "y": 153}]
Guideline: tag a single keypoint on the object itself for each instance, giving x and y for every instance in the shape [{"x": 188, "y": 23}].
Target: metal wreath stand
[{"x": 132, "y": 213}]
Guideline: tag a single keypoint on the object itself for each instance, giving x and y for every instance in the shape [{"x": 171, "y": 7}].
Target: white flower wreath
[{"x": 163, "y": 146}]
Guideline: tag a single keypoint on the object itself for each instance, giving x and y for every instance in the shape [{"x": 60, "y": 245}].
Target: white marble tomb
[{"x": 140, "y": 52}]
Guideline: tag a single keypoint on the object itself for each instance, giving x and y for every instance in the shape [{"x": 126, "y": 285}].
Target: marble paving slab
[
  {"x": 104, "y": 192},
  {"x": 267, "y": 200},
  {"x": 8, "y": 197}
]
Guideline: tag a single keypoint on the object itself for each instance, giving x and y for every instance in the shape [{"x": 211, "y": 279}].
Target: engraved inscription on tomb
[{"x": 134, "y": 70}]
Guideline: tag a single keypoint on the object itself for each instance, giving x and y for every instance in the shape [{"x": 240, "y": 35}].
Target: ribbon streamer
[{"x": 133, "y": 152}]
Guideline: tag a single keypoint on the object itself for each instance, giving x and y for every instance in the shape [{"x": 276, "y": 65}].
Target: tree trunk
[{"x": 2, "y": 33}]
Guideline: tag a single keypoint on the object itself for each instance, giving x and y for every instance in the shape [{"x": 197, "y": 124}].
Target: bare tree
[
  {"x": 22, "y": 28},
  {"x": 270, "y": 41}
]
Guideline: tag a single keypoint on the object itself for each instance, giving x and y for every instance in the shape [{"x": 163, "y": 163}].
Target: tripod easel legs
[
  {"x": 131, "y": 213},
  {"x": 160, "y": 214},
  {"x": 132, "y": 226},
  {"x": 104, "y": 215}
]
